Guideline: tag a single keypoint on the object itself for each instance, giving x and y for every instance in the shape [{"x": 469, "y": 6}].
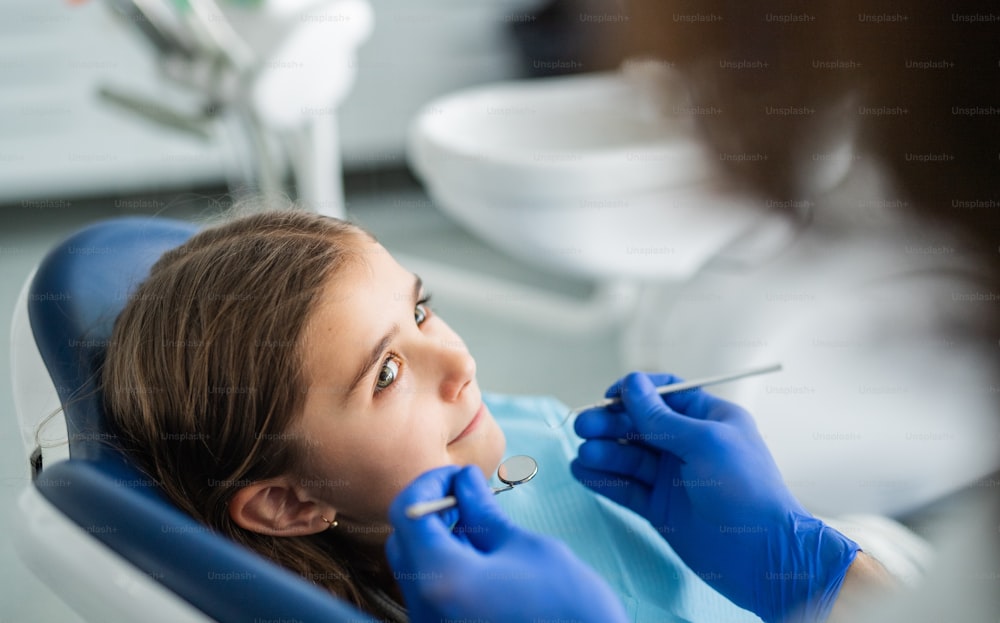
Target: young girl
[{"x": 283, "y": 379}]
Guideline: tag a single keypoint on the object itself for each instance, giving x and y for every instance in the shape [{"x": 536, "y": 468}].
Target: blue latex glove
[
  {"x": 696, "y": 467},
  {"x": 486, "y": 568}
]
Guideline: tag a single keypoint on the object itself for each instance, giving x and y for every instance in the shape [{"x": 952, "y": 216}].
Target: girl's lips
[{"x": 472, "y": 424}]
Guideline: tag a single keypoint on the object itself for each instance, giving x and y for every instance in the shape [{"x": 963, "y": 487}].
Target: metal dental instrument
[
  {"x": 513, "y": 471},
  {"x": 679, "y": 387}
]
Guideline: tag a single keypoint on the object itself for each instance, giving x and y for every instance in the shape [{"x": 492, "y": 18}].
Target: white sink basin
[{"x": 577, "y": 174}]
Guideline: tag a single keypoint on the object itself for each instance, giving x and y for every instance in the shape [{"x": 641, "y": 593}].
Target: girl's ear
[{"x": 277, "y": 508}]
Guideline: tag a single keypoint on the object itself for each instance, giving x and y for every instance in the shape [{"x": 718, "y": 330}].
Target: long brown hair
[{"x": 203, "y": 377}]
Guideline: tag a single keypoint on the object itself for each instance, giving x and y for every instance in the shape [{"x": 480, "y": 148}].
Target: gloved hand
[
  {"x": 696, "y": 467},
  {"x": 486, "y": 568}
]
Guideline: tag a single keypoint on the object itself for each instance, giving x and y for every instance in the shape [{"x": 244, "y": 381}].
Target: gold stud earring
[{"x": 330, "y": 523}]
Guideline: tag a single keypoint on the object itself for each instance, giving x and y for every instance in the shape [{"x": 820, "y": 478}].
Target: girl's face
[{"x": 392, "y": 391}]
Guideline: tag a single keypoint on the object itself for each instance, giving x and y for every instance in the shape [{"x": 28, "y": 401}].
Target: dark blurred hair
[{"x": 919, "y": 80}]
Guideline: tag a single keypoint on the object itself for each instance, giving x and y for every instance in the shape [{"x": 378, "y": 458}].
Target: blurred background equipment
[{"x": 70, "y": 70}]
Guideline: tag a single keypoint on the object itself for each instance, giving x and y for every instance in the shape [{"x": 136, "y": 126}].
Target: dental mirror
[{"x": 514, "y": 471}]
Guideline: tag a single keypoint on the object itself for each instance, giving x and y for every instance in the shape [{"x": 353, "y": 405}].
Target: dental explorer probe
[{"x": 679, "y": 387}]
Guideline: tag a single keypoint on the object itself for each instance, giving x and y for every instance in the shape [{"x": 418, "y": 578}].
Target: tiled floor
[{"x": 513, "y": 357}]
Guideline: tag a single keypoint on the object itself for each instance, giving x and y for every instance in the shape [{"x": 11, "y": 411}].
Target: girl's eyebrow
[{"x": 375, "y": 354}]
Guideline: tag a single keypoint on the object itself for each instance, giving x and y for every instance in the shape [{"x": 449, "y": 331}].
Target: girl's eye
[
  {"x": 387, "y": 375},
  {"x": 422, "y": 311}
]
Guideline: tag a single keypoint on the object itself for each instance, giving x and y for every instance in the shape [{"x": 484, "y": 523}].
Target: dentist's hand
[
  {"x": 696, "y": 467},
  {"x": 486, "y": 567}
]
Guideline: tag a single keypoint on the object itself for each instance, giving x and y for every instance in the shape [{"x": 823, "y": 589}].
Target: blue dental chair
[{"x": 95, "y": 528}]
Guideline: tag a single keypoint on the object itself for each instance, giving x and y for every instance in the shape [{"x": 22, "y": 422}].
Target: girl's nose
[{"x": 457, "y": 369}]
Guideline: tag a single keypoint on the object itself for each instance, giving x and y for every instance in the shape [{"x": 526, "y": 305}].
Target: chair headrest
[
  {"x": 78, "y": 291},
  {"x": 112, "y": 502}
]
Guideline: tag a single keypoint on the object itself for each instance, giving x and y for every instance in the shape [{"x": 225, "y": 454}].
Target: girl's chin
[
  {"x": 490, "y": 454},
  {"x": 496, "y": 453}
]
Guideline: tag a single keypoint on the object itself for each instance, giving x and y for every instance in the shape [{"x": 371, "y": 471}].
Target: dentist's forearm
[{"x": 866, "y": 579}]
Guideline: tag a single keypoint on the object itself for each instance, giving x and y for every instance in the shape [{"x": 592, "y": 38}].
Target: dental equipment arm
[
  {"x": 697, "y": 469},
  {"x": 486, "y": 567}
]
